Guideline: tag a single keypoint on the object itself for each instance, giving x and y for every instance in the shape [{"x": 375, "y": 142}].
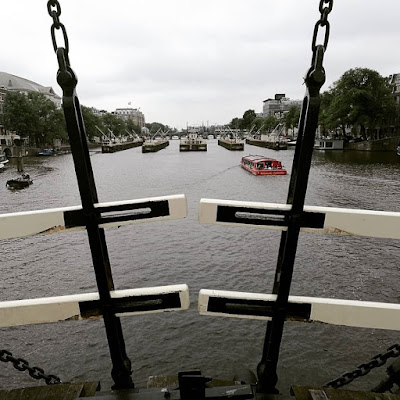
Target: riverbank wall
[{"x": 387, "y": 144}]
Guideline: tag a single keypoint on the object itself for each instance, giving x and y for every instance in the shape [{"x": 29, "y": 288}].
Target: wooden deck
[
  {"x": 73, "y": 391},
  {"x": 318, "y": 393},
  {"x": 62, "y": 391}
]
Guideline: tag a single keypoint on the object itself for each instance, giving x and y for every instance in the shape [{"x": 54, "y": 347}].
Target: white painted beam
[
  {"x": 341, "y": 221},
  {"x": 362, "y": 314},
  {"x": 48, "y": 221},
  {"x": 76, "y": 307}
]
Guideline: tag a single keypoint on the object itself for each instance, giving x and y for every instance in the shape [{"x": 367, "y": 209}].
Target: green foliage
[
  {"x": 292, "y": 117},
  {"x": 33, "y": 116},
  {"x": 258, "y": 123},
  {"x": 360, "y": 98},
  {"x": 113, "y": 123},
  {"x": 91, "y": 120},
  {"x": 247, "y": 121},
  {"x": 235, "y": 123},
  {"x": 270, "y": 123},
  {"x": 132, "y": 127},
  {"x": 155, "y": 126}
]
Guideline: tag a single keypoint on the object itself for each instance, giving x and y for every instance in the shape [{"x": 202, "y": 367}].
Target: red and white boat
[{"x": 260, "y": 165}]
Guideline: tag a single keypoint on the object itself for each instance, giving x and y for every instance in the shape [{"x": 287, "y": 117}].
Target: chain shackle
[
  {"x": 322, "y": 22},
  {"x": 54, "y": 10}
]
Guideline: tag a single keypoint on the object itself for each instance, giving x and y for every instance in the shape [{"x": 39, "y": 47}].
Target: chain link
[
  {"x": 54, "y": 9},
  {"x": 322, "y": 22},
  {"x": 22, "y": 365},
  {"x": 364, "y": 369}
]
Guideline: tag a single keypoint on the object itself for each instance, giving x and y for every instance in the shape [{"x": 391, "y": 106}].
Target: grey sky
[{"x": 185, "y": 61}]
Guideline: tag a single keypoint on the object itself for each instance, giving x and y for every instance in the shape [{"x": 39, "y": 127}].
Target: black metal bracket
[{"x": 315, "y": 78}]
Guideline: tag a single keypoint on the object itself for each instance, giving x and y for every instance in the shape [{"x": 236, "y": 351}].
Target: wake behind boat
[{"x": 260, "y": 165}]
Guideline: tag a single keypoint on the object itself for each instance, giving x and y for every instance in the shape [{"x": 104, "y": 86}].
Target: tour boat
[{"x": 260, "y": 165}]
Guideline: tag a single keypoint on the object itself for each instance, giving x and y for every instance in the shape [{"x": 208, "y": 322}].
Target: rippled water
[{"x": 212, "y": 257}]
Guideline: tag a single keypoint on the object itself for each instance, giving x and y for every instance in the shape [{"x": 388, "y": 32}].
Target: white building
[
  {"x": 278, "y": 106},
  {"x": 133, "y": 114}
]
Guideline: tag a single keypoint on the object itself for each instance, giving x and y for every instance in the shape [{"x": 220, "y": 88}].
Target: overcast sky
[{"x": 195, "y": 62}]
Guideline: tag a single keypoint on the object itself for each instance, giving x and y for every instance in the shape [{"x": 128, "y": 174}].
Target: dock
[
  {"x": 114, "y": 147},
  {"x": 152, "y": 146},
  {"x": 278, "y": 145},
  {"x": 231, "y": 144}
]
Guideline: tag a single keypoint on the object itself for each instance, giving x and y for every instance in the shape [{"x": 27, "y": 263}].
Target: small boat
[
  {"x": 46, "y": 153},
  {"x": 398, "y": 149},
  {"x": 19, "y": 183},
  {"x": 260, "y": 165},
  {"x": 3, "y": 159},
  {"x": 329, "y": 144}
]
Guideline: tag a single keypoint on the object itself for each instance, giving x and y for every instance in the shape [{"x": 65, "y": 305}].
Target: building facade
[
  {"x": 134, "y": 114},
  {"x": 13, "y": 83},
  {"x": 278, "y": 106},
  {"x": 394, "y": 83}
]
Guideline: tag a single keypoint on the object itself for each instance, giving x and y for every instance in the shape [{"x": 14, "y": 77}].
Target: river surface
[{"x": 202, "y": 256}]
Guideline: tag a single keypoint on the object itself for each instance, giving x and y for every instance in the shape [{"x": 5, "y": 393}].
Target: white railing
[
  {"x": 87, "y": 305},
  {"x": 325, "y": 220}
]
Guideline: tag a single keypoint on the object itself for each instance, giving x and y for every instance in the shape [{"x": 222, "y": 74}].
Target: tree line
[
  {"x": 36, "y": 118},
  {"x": 361, "y": 101}
]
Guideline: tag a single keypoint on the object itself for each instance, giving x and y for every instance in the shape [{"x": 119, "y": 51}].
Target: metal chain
[
  {"x": 364, "y": 369},
  {"x": 322, "y": 22},
  {"x": 54, "y": 9},
  {"x": 22, "y": 365}
]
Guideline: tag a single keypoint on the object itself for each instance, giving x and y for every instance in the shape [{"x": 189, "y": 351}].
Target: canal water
[{"x": 210, "y": 257}]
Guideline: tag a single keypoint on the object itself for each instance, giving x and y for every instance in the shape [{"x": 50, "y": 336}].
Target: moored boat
[
  {"x": 46, "y": 153},
  {"x": 328, "y": 144},
  {"x": 193, "y": 142},
  {"x": 231, "y": 142},
  {"x": 3, "y": 159},
  {"x": 154, "y": 145},
  {"x": 260, "y": 165}
]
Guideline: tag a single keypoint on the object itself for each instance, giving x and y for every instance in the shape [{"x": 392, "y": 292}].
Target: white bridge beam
[
  {"x": 362, "y": 314},
  {"x": 341, "y": 221},
  {"x": 118, "y": 213},
  {"x": 87, "y": 306}
]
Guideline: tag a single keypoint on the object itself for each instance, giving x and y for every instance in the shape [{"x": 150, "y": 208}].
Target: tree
[
  {"x": 235, "y": 123},
  {"x": 91, "y": 120},
  {"x": 360, "y": 98},
  {"x": 291, "y": 118},
  {"x": 33, "y": 116},
  {"x": 18, "y": 115},
  {"x": 247, "y": 121},
  {"x": 270, "y": 123},
  {"x": 258, "y": 123},
  {"x": 132, "y": 127},
  {"x": 155, "y": 126},
  {"x": 114, "y": 123}
]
